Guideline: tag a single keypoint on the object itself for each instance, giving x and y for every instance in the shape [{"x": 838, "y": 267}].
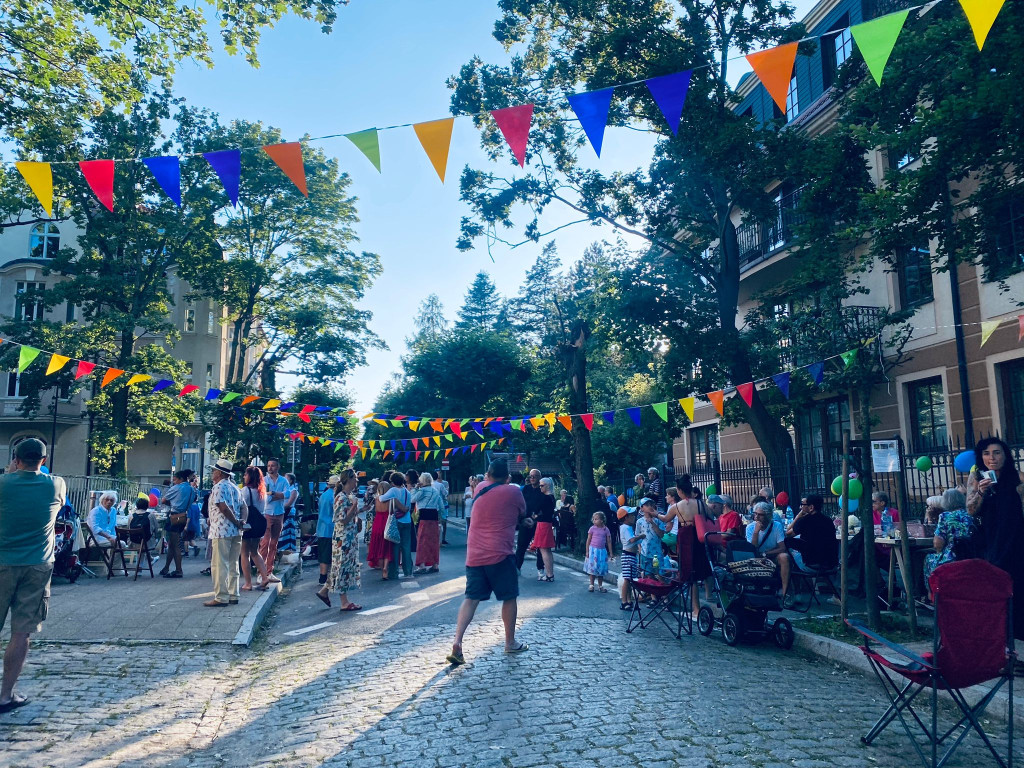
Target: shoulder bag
[
  {"x": 391, "y": 532},
  {"x": 704, "y": 523}
]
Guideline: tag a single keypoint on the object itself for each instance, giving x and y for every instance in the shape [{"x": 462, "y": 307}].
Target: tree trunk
[
  {"x": 574, "y": 357},
  {"x": 867, "y": 520},
  {"x": 233, "y": 357},
  {"x": 119, "y": 410}
]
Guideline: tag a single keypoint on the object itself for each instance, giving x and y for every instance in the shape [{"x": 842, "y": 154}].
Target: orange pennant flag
[
  {"x": 110, "y": 375},
  {"x": 436, "y": 138},
  {"x": 289, "y": 159},
  {"x": 774, "y": 68},
  {"x": 536, "y": 421},
  {"x": 717, "y": 399},
  {"x": 249, "y": 399},
  {"x": 566, "y": 421},
  {"x": 436, "y": 425}
]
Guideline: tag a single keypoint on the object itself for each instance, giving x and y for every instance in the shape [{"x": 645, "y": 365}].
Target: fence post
[
  {"x": 844, "y": 586},
  {"x": 716, "y": 468},
  {"x": 908, "y": 566}
]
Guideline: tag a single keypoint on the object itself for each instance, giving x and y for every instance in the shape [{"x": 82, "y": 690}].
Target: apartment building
[
  {"x": 925, "y": 401},
  {"x": 62, "y": 423}
]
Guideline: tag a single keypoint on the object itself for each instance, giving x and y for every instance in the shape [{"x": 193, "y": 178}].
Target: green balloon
[
  {"x": 924, "y": 463},
  {"x": 856, "y": 488},
  {"x": 712, "y": 490},
  {"x": 837, "y": 485}
]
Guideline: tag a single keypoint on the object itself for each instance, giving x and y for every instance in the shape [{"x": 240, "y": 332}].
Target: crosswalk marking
[
  {"x": 313, "y": 628},
  {"x": 381, "y": 609},
  {"x": 410, "y": 585},
  {"x": 418, "y": 597}
]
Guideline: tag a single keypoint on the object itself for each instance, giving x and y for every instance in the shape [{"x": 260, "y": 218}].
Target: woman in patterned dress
[
  {"x": 344, "y": 573},
  {"x": 955, "y": 535}
]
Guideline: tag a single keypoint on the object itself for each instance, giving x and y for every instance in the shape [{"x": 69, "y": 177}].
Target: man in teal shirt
[{"x": 29, "y": 502}]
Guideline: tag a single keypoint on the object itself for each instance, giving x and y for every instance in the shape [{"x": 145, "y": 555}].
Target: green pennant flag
[
  {"x": 26, "y": 356},
  {"x": 848, "y": 357},
  {"x": 661, "y": 409},
  {"x": 396, "y": 423},
  {"x": 367, "y": 143},
  {"x": 876, "y": 39},
  {"x": 450, "y": 438},
  {"x": 464, "y": 422},
  {"x": 337, "y": 447},
  {"x": 230, "y": 396},
  {"x": 517, "y": 424}
]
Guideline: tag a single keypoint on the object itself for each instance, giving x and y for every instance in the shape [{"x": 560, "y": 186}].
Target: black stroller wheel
[
  {"x": 732, "y": 628},
  {"x": 783, "y": 634},
  {"x": 705, "y": 621}
]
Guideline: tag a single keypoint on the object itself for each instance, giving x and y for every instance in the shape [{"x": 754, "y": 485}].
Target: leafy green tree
[{"x": 479, "y": 311}]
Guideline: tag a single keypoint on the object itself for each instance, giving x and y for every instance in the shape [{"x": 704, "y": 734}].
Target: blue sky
[{"x": 385, "y": 63}]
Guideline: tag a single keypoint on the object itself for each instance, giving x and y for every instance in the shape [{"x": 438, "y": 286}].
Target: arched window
[{"x": 45, "y": 241}]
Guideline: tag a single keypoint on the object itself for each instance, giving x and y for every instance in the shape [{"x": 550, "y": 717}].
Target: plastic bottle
[
  {"x": 654, "y": 564},
  {"x": 886, "y": 523},
  {"x": 789, "y": 517}
]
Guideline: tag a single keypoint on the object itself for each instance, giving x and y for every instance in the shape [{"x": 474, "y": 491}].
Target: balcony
[
  {"x": 811, "y": 339},
  {"x": 759, "y": 240}
]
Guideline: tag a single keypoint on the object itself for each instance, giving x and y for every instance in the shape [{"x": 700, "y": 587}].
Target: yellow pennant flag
[
  {"x": 436, "y": 138},
  {"x": 414, "y": 426},
  {"x": 271, "y": 404},
  {"x": 988, "y": 327},
  {"x": 536, "y": 421},
  {"x": 437, "y": 440},
  {"x": 56, "y": 363},
  {"x": 551, "y": 418},
  {"x": 981, "y": 15},
  {"x": 137, "y": 377},
  {"x": 39, "y": 178},
  {"x": 686, "y": 403},
  {"x": 325, "y": 443}
]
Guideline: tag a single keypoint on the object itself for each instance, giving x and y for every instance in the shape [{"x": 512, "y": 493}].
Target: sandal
[
  {"x": 15, "y": 702},
  {"x": 246, "y": 587},
  {"x": 625, "y": 606},
  {"x": 548, "y": 578},
  {"x": 324, "y": 598},
  {"x": 272, "y": 579},
  {"x": 206, "y": 572},
  {"x": 352, "y": 607},
  {"x": 603, "y": 590},
  {"x": 518, "y": 648},
  {"x": 590, "y": 588}
]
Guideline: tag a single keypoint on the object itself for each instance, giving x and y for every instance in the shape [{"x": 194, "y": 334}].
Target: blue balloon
[
  {"x": 964, "y": 461},
  {"x": 854, "y": 504},
  {"x": 44, "y": 469},
  {"x": 155, "y": 492}
]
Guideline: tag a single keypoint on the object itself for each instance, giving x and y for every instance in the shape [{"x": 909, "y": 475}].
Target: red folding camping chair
[
  {"x": 973, "y": 644},
  {"x": 669, "y": 595}
]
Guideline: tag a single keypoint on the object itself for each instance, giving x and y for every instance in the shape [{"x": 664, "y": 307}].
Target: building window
[
  {"x": 70, "y": 317},
  {"x": 44, "y": 241},
  {"x": 190, "y": 321},
  {"x": 14, "y": 385},
  {"x": 927, "y": 415},
  {"x": 905, "y": 151},
  {"x": 703, "y": 445},
  {"x": 29, "y": 307},
  {"x": 914, "y": 270},
  {"x": 836, "y": 48},
  {"x": 792, "y": 102},
  {"x": 696, "y": 369},
  {"x": 211, "y": 323},
  {"x": 1012, "y": 375},
  {"x": 821, "y": 426},
  {"x": 1006, "y": 244},
  {"x": 209, "y": 375}
]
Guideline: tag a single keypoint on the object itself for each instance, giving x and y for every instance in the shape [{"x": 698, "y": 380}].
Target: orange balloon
[{"x": 622, "y": 499}]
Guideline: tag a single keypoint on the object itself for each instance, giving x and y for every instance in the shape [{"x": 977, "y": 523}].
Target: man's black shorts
[
  {"x": 323, "y": 550},
  {"x": 500, "y": 578}
]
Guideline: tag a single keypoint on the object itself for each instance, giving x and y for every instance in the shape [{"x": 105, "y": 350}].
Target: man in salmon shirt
[{"x": 498, "y": 508}]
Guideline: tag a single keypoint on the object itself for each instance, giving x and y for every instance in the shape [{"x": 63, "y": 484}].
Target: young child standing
[
  {"x": 628, "y": 569},
  {"x": 599, "y": 552}
]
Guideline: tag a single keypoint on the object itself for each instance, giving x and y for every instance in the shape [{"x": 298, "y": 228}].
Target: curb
[
  {"x": 254, "y": 618},
  {"x": 577, "y": 565}
]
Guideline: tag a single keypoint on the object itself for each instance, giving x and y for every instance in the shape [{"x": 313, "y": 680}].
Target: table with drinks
[{"x": 894, "y": 544}]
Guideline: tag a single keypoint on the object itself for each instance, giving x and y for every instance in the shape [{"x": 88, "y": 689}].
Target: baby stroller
[
  {"x": 65, "y": 532},
  {"x": 745, "y": 586}
]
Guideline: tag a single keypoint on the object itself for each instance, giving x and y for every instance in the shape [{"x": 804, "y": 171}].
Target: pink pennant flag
[
  {"x": 306, "y": 410},
  {"x": 514, "y": 124},
  {"x": 99, "y": 174},
  {"x": 746, "y": 392},
  {"x": 588, "y": 420}
]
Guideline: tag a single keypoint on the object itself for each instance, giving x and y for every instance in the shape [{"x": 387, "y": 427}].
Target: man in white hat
[{"x": 225, "y": 534}]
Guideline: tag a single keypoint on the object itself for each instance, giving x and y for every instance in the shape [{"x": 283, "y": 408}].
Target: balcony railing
[
  {"x": 759, "y": 239},
  {"x": 856, "y": 325}
]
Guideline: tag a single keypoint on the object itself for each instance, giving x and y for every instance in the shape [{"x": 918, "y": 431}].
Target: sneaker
[
  {"x": 540, "y": 575},
  {"x": 455, "y": 658}
]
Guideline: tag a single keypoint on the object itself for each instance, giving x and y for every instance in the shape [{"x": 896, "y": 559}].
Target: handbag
[
  {"x": 391, "y": 532},
  {"x": 704, "y": 523}
]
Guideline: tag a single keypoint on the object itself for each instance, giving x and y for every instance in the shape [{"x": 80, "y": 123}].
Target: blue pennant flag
[
  {"x": 477, "y": 427},
  {"x": 392, "y": 445},
  {"x": 609, "y": 416},
  {"x": 228, "y": 165},
  {"x": 322, "y": 408},
  {"x": 285, "y": 406},
  {"x": 162, "y": 384},
  {"x": 817, "y": 371},
  {"x": 591, "y": 108},
  {"x": 669, "y": 92},
  {"x": 634, "y": 414},
  {"x": 273, "y": 426},
  {"x": 782, "y": 382},
  {"x": 212, "y": 394},
  {"x": 167, "y": 172},
  {"x": 341, "y": 419},
  {"x": 383, "y": 416}
]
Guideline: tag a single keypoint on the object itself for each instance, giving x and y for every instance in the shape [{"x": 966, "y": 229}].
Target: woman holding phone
[{"x": 995, "y": 496}]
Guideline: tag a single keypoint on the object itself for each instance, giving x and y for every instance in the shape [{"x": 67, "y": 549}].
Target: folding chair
[
  {"x": 973, "y": 644},
  {"x": 806, "y": 580},
  {"x": 106, "y": 553},
  {"x": 139, "y": 545},
  {"x": 669, "y": 596}
]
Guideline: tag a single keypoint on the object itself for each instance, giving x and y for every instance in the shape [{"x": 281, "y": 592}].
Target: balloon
[
  {"x": 837, "y": 485},
  {"x": 143, "y": 495},
  {"x": 782, "y": 499},
  {"x": 153, "y": 500},
  {"x": 622, "y": 499},
  {"x": 854, "y": 504},
  {"x": 856, "y": 488},
  {"x": 44, "y": 469},
  {"x": 923, "y": 463},
  {"x": 711, "y": 491},
  {"x": 964, "y": 461},
  {"x": 155, "y": 492}
]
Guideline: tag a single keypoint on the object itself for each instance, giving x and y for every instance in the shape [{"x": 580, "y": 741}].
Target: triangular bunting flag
[
  {"x": 414, "y": 425},
  {"x": 876, "y": 39},
  {"x": 661, "y": 409},
  {"x": 591, "y": 108},
  {"x": 109, "y": 376},
  {"x": 188, "y": 389},
  {"x": 817, "y": 371},
  {"x": 746, "y": 392},
  {"x": 447, "y": 452},
  {"x": 634, "y": 414},
  {"x": 669, "y": 92},
  {"x": 514, "y": 124},
  {"x": 56, "y": 363},
  {"x": 288, "y": 157},
  {"x": 227, "y": 164},
  {"x": 167, "y": 172},
  {"x": 212, "y": 394},
  {"x": 436, "y": 425},
  {"x": 437, "y": 440},
  {"x": 85, "y": 368},
  {"x": 566, "y": 421},
  {"x": 782, "y": 382},
  {"x": 436, "y": 138},
  {"x": 988, "y": 327},
  {"x": 717, "y": 399},
  {"x": 99, "y": 174},
  {"x": 368, "y": 143},
  {"x": 139, "y": 377},
  {"x": 686, "y": 403},
  {"x": 588, "y": 420},
  {"x": 39, "y": 177},
  {"x": 231, "y": 396},
  {"x": 536, "y": 421},
  {"x": 270, "y": 404},
  {"x": 774, "y": 68},
  {"x": 608, "y": 416},
  {"x": 848, "y": 357},
  {"x": 981, "y": 15},
  {"x": 25, "y": 357},
  {"x": 249, "y": 399},
  {"x": 162, "y": 385}
]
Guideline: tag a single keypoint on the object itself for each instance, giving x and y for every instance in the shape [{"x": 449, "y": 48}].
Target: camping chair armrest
[{"x": 901, "y": 650}]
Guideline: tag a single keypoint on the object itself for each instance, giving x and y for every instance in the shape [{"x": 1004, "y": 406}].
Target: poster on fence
[{"x": 885, "y": 455}]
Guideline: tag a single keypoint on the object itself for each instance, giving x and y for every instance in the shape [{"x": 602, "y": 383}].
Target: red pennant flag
[
  {"x": 306, "y": 410},
  {"x": 717, "y": 399},
  {"x": 289, "y": 159},
  {"x": 418, "y": 455},
  {"x": 588, "y": 420},
  {"x": 457, "y": 429},
  {"x": 473, "y": 449},
  {"x": 188, "y": 388},
  {"x": 99, "y": 174},
  {"x": 514, "y": 124},
  {"x": 415, "y": 442},
  {"x": 84, "y": 369},
  {"x": 354, "y": 451},
  {"x": 747, "y": 393},
  {"x": 774, "y": 68}
]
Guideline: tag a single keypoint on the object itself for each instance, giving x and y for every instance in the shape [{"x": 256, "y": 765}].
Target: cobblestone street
[{"x": 373, "y": 690}]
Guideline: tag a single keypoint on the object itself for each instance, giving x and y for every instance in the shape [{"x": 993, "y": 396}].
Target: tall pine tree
[{"x": 480, "y": 309}]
